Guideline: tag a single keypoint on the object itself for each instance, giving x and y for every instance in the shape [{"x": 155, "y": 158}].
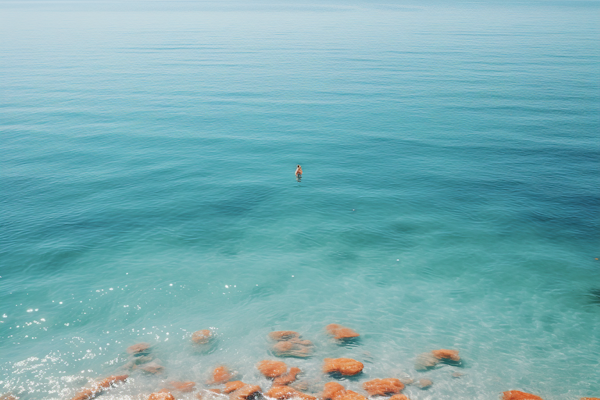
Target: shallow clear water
[{"x": 449, "y": 199}]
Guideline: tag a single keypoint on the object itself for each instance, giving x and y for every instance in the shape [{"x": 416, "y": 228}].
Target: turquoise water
[{"x": 450, "y": 196}]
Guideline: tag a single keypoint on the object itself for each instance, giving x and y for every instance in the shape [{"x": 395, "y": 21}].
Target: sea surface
[{"x": 450, "y": 196}]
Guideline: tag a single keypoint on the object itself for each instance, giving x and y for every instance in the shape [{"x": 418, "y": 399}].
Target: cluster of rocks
[
  {"x": 140, "y": 357},
  {"x": 284, "y": 384},
  {"x": 289, "y": 344}
]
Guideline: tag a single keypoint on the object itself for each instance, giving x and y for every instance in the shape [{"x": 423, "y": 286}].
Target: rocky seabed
[{"x": 284, "y": 381}]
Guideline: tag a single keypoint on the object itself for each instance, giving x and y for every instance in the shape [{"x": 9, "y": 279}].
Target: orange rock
[
  {"x": 161, "y": 396},
  {"x": 583, "y": 398},
  {"x": 244, "y": 392},
  {"x": 348, "y": 395},
  {"x": 8, "y": 396},
  {"x": 381, "y": 387},
  {"x": 293, "y": 348},
  {"x": 330, "y": 390},
  {"x": 399, "y": 397},
  {"x": 202, "y": 337},
  {"x": 272, "y": 369},
  {"x": 289, "y": 344},
  {"x": 233, "y": 386},
  {"x": 111, "y": 380},
  {"x": 220, "y": 375},
  {"x": 286, "y": 392},
  {"x": 183, "y": 386},
  {"x": 301, "y": 385},
  {"x": 287, "y": 378},
  {"x": 517, "y": 395},
  {"x": 86, "y": 394},
  {"x": 447, "y": 354},
  {"x": 283, "y": 346},
  {"x": 152, "y": 368},
  {"x": 283, "y": 335},
  {"x": 99, "y": 387},
  {"x": 345, "y": 366},
  {"x": 138, "y": 348},
  {"x": 341, "y": 332},
  {"x": 301, "y": 342}
]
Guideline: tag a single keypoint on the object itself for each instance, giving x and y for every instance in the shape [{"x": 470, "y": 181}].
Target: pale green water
[{"x": 449, "y": 200}]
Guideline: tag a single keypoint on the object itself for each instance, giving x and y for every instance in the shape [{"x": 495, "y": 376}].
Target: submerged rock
[
  {"x": 283, "y": 347},
  {"x": 139, "y": 348},
  {"x": 424, "y": 383},
  {"x": 233, "y": 386},
  {"x": 341, "y": 332},
  {"x": 518, "y": 395},
  {"x": 399, "y": 397},
  {"x": 425, "y": 361},
  {"x": 161, "y": 396},
  {"x": 289, "y": 344},
  {"x": 245, "y": 392},
  {"x": 142, "y": 359},
  {"x": 182, "y": 386},
  {"x": 406, "y": 380},
  {"x": 272, "y": 369},
  {"x": 330, "y": 390},
  {"x": 302, "y": 386},
  {"x": 203, "y": 336},
  {"x": 98, "y": 387},
  {"x": 348, "y": 395},
  {"x": 152, "y": 368},
  {"x": 312, "y": 386},
  {"x": 293, "y": 348},
  {"x": 8, "y": 396},
  {"x": 220, "y": 375},
  {"x": 429, "y": 360},
  {"x": 283, "y": 335},
  {"x": 344, "y": 366},
  {"x": 288, "y": 378},
  {"x": 86, "y": 394},
  {"x": 136, "y": 360},
  {"x": 446, "y": 354},
  {"x": 381, "y": 387},
  {"x": 286, "y": 392},
  {"x": 301, "y": 342}
]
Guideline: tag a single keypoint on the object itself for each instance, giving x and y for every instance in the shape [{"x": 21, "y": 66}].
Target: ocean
[{"x": 450, "y": 196}]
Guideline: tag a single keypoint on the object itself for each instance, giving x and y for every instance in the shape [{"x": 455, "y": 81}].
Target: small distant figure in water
[{"x": 299, "y": 173}]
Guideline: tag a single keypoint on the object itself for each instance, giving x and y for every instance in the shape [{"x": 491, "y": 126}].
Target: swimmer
[{"x": 299, "y": 173}]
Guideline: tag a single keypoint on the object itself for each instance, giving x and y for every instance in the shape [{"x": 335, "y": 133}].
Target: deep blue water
[{"x": 450, "y": 196}]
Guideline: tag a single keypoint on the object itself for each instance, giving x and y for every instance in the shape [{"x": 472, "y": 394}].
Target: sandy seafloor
[{"x": 450, "y": 196}]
